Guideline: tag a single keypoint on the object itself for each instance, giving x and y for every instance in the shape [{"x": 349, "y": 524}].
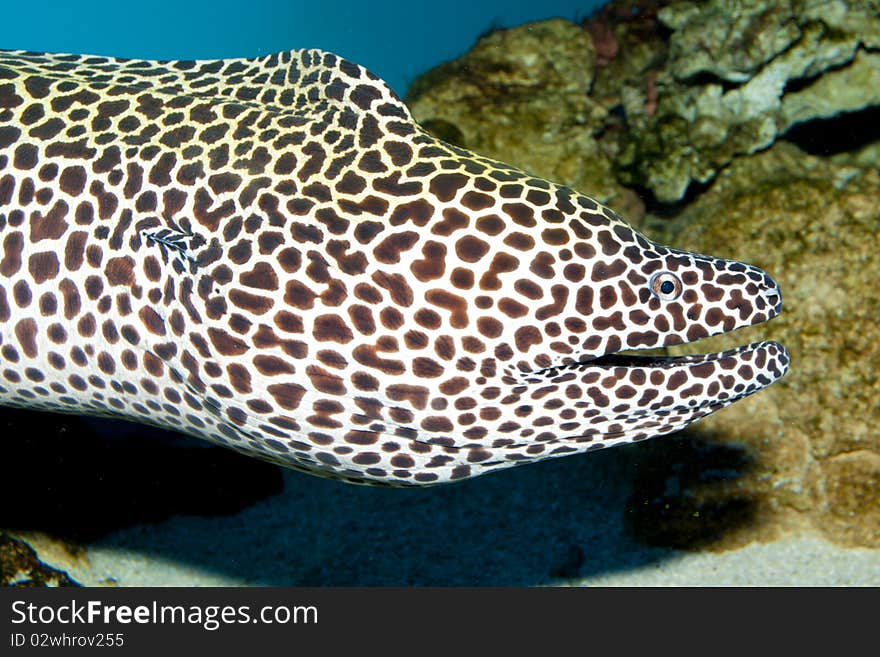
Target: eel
[{"x": 271, "y": 254}]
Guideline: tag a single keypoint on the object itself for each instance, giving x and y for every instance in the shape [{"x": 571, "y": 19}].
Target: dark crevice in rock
[
  {"x": 445, "y": 130},
  {"x": 671, "y": 210},
  {"x": 704, "y": 78},
  {"x": 795, "y": 85},
  {"x": 839, "y": 134},
  {"x": 640, "y": 18}
]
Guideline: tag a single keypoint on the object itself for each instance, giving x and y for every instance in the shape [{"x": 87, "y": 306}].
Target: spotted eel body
[{"x": 272, "y": 255}]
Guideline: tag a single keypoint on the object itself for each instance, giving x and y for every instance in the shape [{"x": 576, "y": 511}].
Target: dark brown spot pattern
[{"x": 269, "y": 253}]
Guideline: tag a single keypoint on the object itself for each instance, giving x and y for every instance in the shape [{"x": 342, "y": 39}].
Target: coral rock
[{"x": 739, "y": 75}]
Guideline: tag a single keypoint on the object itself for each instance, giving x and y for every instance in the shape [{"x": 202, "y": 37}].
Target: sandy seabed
[{"x": 553, "y": 523}]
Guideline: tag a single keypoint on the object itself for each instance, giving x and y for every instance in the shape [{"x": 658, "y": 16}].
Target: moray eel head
[{"x": 642, "y": 295}]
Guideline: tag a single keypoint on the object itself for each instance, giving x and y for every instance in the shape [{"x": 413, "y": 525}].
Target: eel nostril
[{"x": 773, "y": 296}]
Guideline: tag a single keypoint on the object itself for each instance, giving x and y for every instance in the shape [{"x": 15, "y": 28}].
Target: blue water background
[{"x": 396, "y": 40}]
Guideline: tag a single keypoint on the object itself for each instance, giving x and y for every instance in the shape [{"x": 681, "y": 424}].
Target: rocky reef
[
  {"x": 740, "y": 129},
  {"x": 737, "y": 76},
  {"x": 524, "y": 95},
  {"x": 813, "y": 438},
  {"x": 21, "y": 568}
]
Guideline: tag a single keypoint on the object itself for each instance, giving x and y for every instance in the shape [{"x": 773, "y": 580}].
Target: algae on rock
[
  {"x": 20, "y": 567},
  {"x": 739, "y": 75},
  {"x": 523, "y": 95},
  {"x": 813, "y": 224}
]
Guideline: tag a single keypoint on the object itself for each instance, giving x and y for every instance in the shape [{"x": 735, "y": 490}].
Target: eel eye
[{"x": 665, "y": 286}]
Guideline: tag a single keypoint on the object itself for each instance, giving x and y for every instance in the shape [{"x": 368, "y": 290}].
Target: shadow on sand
[{"x": 211, "y": 510}]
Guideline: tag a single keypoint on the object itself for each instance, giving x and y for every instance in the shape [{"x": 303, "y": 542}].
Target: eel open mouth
[
  {"x": 652, "y": 361},
  {"x": 691, "y": 381}
]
